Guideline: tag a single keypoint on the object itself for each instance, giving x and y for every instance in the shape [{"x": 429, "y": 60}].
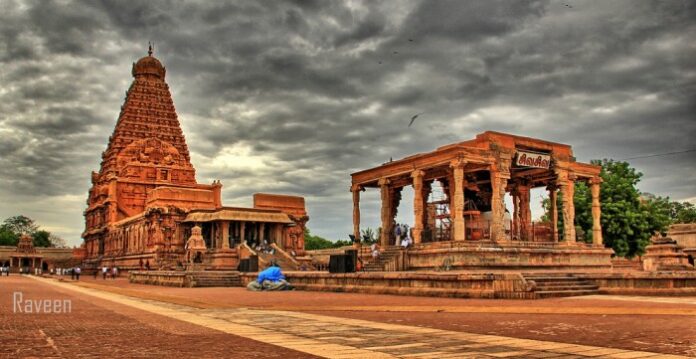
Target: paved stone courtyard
[{"x": 216, "y": 323}]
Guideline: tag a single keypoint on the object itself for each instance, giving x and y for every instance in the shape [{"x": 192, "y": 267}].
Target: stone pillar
[
  {"x": 386, "y": 217},
  {"x": 500, "y": 174},
  {"x": 262, "y": 231},
  {"x": 225, "y": 234},
  {"x": 242, "y": 232},
  {"x": 355, "y": 189},
  {"x": 458, "y": 233},
  {"x": 525, "y": 217},
  {"x": 418, "y": 205},
  {"x": 515, "y": 228},
  {"x": 596, "y": 212},
  {"x": 553, "y": 198},
  {"x": 567, "y": 187}
]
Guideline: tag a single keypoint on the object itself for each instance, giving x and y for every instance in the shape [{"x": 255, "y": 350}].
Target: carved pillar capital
[
  {"x": 384, "y": 181},
  {"x": 458, "y": 163},
  {"x": 417, "y": 174},
  {"x": 357, "y": 188}
]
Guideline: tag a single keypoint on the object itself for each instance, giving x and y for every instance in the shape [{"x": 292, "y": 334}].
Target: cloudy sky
[{"x": 291, "y": 97}]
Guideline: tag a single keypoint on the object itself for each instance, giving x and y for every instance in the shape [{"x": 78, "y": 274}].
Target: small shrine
[{"x": 26, "y": 259}]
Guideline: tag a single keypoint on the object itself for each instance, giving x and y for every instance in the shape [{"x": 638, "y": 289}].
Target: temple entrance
[{"x": 44, "y": 267}]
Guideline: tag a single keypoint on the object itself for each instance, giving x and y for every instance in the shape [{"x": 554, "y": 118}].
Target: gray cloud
[{"x": 292, "y": 97}]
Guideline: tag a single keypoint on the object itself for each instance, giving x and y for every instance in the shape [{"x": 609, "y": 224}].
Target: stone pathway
[
  {"x": 635, "y": 298},
  {"x": 334, "y": 337}
]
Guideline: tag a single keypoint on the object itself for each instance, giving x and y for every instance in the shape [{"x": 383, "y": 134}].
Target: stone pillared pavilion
[
  {"x": 145, "y": 198},
  {"x": 468, "y": 225}
]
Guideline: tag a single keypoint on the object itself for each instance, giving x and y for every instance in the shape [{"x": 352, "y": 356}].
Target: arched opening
[{"x": 44, "y": 266}]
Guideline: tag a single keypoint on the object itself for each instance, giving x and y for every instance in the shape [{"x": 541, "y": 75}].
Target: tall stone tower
[{"x": 146, "y": 164}]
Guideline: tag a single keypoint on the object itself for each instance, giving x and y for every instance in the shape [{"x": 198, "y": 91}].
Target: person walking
[
  {"x": 114, "y": 272},
  {"x": 104, "y": 270},
  {"x": 72, "y": 273},
  {"x": 77, "y": 273}
]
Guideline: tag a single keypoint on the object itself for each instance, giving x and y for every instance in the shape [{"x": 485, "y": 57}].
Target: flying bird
[
  {"x": 568, "y": 6},
  {"x": 411, "y": 40},
  {"x": 396, "y": 52},
  {"x": 414, "y": 118}
]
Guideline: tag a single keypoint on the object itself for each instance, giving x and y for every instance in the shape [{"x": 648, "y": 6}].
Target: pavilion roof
[{"x": 239, "y": 214}]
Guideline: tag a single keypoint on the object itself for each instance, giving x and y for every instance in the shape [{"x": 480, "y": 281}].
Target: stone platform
[
  {"x": 186, "y": 278},
  {"x": 510, "y": 285},
  {"x": 672, "y": 283},
  {"x": 509, "y": 255}
]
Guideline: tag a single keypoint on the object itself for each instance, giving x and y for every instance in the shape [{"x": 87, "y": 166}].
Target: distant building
[{"x": 28, "y": 258}]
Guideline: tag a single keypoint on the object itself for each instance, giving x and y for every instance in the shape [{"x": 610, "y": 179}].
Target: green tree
[
  {"x": 20, "y": 225},
  {"x": 628, "y": 218},
  {"x": 41, "y": 238},
  {"x": 317, "y": 242},
  {"x": 7, "y": 237},
  {"x": 368, "y": 236},
  {"x": 682, "y": 212}
]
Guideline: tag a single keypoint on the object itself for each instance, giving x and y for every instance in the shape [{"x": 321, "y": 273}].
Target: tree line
[{"x": 14, "y": 227}]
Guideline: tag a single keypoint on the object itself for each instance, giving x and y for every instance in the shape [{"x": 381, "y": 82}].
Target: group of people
[
  {"x": 4, "y": 270},
  {"x": 264, "y": 247},
  {"x": 402, "y": 234},
  {"x": 107, "y": 272}
]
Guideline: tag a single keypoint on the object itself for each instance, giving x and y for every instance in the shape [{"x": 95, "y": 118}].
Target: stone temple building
[
  {"x": 145, "y": 199},
  {"x": 460, "y": 216}
]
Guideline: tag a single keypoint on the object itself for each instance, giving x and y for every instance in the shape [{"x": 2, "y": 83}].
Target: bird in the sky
[
  {"x": 414, "y": 118},
  {"x": 411, "y": 40},
  {"x": 396, "y": 52},
  {"x": 568, "y": 6}
]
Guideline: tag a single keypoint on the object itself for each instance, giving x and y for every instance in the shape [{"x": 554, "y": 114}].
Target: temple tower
[{"x": 146, "y": 168}]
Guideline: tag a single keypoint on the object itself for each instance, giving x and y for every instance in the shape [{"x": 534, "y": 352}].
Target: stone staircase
[
  {"x": 550, "y": 285},
  {"x": 284, "y": 263},
  {"x": 215, "y": 279},
  {"x": 387, "y": 261}
]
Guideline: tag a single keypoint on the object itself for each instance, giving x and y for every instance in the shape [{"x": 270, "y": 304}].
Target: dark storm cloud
[{"x": 291, "y": 97}]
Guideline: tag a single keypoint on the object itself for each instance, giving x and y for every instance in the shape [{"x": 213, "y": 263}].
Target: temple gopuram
[
  {"x": 145, "y": 201},
  {"x": 468, "y": 224}
]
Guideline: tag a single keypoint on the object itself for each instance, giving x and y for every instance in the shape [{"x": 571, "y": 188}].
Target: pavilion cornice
[{"x": 425, "y": 162}]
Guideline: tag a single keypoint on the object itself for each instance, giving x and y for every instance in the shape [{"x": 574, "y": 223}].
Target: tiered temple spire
[{"x": 147, "y": 113}]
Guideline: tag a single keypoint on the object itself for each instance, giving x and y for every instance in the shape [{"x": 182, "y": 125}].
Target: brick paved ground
[
  {"x": 97, "y": 328},
  {"x": 352, "y": 338},
  {"x": 666, "y": 325}
]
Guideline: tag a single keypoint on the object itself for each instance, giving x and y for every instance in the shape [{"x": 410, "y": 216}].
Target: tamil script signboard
[{"x": 532, "y": 159}]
